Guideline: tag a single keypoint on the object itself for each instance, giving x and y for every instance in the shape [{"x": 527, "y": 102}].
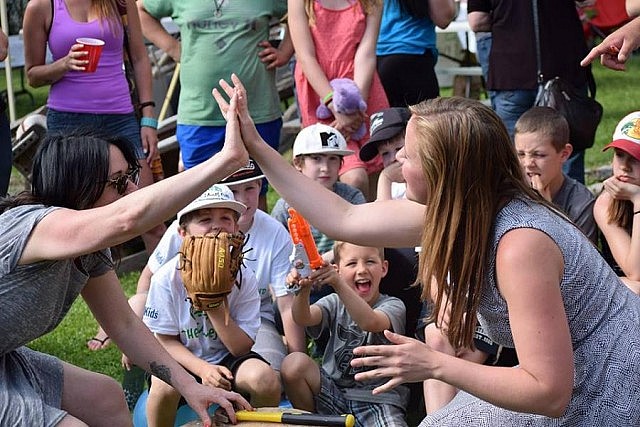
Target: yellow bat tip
[{"x": 350, "y": 421}]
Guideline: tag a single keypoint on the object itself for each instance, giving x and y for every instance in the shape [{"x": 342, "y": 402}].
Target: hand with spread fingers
[
  {"x": 200, "y": 397},
  {"x": 249, "y": 133},
  {"x": 407, "y": 360}
]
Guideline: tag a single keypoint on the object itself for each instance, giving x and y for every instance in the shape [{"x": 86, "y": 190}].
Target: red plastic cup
[{"x": 93, "y": 47}]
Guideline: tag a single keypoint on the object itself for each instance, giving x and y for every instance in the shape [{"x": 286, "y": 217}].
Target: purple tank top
[{"x": 104, "y": 92}]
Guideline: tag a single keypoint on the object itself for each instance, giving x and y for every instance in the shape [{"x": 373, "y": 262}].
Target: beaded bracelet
[
  {"x": 146, "y": 104},
  {"x": 149, "y": 122},
  {"x": 327, "y": 99}
]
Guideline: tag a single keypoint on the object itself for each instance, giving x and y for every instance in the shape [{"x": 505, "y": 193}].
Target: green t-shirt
[{"x": 220, "y": 37}]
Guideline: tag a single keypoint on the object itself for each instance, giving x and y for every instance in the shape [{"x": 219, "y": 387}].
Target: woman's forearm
[{"x": 511, "y": 388}]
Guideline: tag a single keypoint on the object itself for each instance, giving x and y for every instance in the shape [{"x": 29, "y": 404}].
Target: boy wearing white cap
[
  {"x": 318, "y": 153},
  {"x": 387, "y": 138},
  {"x": 268, "y": 258},
  {"x": 211, "y": 346},
  {"x": 617, "y": 208}
]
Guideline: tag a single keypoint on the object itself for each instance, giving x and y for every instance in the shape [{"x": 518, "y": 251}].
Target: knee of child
[
  {"x": 268, "y": 383},
  {"x": 294, "y": 365}
]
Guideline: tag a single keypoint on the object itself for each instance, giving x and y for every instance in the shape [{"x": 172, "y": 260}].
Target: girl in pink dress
[{"x": 337, "y": 39}]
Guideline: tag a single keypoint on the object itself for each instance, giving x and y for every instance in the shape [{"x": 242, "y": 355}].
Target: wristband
[
  {"x": 636, "y": 212},
  {"x": 327, "y": 99},
  {"x": 146, "y": 104},
  {"x": 149, "y": 122}
]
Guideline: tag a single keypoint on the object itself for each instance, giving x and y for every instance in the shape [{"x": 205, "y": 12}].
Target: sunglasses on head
[{"x": 121, "y": 182}]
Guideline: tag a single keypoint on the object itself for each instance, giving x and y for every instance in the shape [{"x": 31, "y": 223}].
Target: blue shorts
[
  {"x": 122, "y": 125},
  {"x": 199, "y": 143}
]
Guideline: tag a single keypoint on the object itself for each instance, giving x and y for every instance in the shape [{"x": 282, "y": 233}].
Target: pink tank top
[{"x": 104, "y": 92}]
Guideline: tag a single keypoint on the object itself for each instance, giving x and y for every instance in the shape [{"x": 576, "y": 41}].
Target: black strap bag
[{"x": 582, "y": 111}]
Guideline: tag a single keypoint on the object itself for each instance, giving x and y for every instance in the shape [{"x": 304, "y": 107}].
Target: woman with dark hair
[
  {"x": 54, "y": 245},
  {"x": 493, "y": 252}
]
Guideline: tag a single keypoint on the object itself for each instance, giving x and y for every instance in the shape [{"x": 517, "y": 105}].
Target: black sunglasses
[{"x": 121, "y": 182}]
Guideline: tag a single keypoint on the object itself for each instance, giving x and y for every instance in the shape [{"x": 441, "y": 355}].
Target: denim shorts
[{"x": 123, "y": 125}]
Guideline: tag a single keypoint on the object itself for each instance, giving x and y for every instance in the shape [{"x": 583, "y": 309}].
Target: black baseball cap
[
  {"x": 385, "y": 124},
  {"x": 246, "y": 173}
]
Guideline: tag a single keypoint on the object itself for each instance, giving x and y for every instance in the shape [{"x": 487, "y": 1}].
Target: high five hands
[
  {"x": 232, "y": 111},
  {"x": 237, "y": 109}
]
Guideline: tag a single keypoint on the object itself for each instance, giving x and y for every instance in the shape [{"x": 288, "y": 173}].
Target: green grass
[
  {"x": 23, "y": 102},
  {"x": 69, "y": 340},
  {"x": 616, "y": 94}
]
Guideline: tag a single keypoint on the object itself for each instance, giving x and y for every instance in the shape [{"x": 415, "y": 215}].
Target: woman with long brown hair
[{"x": 497, "y": 253}]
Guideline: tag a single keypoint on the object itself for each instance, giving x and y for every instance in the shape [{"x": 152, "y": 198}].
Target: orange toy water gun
[{"x": 305, "y": 256}]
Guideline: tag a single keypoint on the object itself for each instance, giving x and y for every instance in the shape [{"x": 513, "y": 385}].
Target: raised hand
[
  {"x": 249, "y": 133},
  {"x": 233, "y": 142},
  {"x": 541, "y": 187}
]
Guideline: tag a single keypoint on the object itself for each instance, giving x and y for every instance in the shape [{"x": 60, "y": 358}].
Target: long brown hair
[
  {"x": 367, "y": 6},
  {"x": 621, "y": 213},
  {"x": 470, "y": 169}
]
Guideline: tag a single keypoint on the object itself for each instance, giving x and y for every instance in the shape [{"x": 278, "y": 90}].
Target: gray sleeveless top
[{"x": 604, "y": 321}]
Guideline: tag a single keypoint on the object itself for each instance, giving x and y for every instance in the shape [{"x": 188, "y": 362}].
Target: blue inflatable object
[{"x": 184, "y": 415}]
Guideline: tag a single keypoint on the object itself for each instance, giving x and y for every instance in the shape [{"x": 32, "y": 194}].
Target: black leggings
[{"x": 408, "y": 79}]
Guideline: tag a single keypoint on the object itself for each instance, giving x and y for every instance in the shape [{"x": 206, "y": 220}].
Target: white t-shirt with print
[
  {"x": 169, "y": 312},
  {"x": 270, "y": 246}
]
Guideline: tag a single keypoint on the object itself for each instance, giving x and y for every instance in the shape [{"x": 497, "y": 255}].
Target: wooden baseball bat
[{"x": 297, "y": 419}]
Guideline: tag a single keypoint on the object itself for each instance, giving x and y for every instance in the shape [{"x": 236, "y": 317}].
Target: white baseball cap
[
  {"x": 627, "y": 135},
  {"x": 320, "y": 139},
  {"x": 217, "y": 196}
]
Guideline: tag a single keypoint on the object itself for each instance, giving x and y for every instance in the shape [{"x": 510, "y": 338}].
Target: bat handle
[{"x": 319, "y": 420}]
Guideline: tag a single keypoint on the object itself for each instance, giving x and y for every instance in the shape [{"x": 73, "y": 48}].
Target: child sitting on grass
[
  {"x": 211, "y": 345},
  {"x": 356, "y": 314}
]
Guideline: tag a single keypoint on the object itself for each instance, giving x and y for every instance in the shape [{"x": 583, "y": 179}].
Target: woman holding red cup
[{"x": 81, "y": 96}]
